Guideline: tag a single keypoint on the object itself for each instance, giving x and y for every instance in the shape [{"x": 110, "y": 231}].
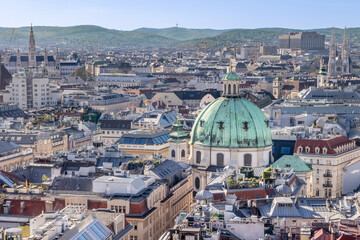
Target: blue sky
[{"x": 220, "y": 14}]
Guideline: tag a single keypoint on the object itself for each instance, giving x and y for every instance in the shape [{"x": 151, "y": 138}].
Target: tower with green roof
[
  {"x": 322, "y": 78},
  {"x": 178, "y": 150}
]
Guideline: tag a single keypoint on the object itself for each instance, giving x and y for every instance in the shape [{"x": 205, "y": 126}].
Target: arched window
[
  {"x": 300, "y": 149},
  {"x": 229, "y": 89},
  {"x": 198, "y": 157},
  {"x": 270, "y": 157},
  {"x": 183, "y": 153},
  {"x": 173, "y": 153},
  {"x": 197, "y": 182},
  {"x": 234, "y": 88},
  {"x": 219, "y": 159},
  {"x": 247, "y": 160}
]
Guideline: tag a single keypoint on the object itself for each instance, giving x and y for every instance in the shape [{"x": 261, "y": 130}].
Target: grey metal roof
[
  {"x": 8, "y": 146},
  {"x": 342, "y": 109},
  {"x": 167, "y": 169},
  {"x": 72, "y": 184}
]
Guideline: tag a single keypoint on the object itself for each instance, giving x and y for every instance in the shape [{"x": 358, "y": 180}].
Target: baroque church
[
  {"x": 339, "y": 65},
  {"x": 231, "y": 130},
  {"x": 31, "y": 59}
]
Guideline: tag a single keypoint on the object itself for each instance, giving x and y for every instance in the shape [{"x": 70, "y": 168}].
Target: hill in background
[{"x": 89, "y": 36}]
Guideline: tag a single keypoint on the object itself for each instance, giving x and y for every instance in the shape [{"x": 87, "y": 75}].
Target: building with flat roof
[{"x": 302, "y": 41}]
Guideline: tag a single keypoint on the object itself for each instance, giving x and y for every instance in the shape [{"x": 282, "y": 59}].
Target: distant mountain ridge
[{"x": 90, "y": 36}]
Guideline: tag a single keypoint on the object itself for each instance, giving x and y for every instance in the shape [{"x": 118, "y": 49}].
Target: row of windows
[
  {"x": 220, "y": 159},
  {"x": 173, "y": 154}
]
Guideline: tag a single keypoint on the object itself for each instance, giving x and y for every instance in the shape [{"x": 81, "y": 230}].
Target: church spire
[
  {"x": 345, "y": 43},
  {"x": 332, "y": 55},
  {"x": 32, "y": 49}
]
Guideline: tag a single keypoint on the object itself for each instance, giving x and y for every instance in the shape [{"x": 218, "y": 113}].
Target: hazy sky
[{"x": 217, "y": 14}]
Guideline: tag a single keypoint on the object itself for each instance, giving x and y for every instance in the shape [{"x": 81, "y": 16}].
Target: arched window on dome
[
  {"x": 234, "y": 89},
  {"x": 173, "y": 153},
  {"x": 198, "y": 157},
  {"x": 247, "y": 160},
  {"x": 229, "y": 89},
  {"x": 183, "y": 153},
  {"x": 220, "y": 160}
]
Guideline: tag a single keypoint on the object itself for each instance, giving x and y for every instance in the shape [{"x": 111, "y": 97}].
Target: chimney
[
  {"x": 7, "y": 207},
  {"x": 22, "y": 206}
]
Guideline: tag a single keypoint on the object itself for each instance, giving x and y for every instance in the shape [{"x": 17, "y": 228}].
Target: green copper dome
[
  {"x": 231, "y": 123},
  {"x": 231, "y": 76}
]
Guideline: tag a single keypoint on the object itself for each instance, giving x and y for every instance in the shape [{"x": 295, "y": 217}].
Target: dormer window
[
  {"x": 300, "y": 149},
  {"x": 317, "y": 150},
  {"x": 324, "y": 150},
  {"x": 307, "y": 149}
]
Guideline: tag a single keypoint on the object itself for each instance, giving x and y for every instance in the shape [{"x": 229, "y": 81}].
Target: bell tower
[{"x": 277, "y": 87}]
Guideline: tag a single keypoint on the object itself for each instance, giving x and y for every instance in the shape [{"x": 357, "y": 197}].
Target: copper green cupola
[
  {"x": 231, "y": 121},
  {"x": 231, "y": 85},
  {"x": 177, "y": 132}
]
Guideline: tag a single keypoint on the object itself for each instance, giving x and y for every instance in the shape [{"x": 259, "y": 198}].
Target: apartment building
[{"x": 332, "y": 160}]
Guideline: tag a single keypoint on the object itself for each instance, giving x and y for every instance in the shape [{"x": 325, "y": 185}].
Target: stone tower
[
  {"x": 345, "y": 56},
  {"x": 32, "y": 49},
  {"x": 277, "y": 87},
  {"x": 178, "y": 149},
  {"x": 332, "y": 56},
  {"x": 322, "y": 79}
]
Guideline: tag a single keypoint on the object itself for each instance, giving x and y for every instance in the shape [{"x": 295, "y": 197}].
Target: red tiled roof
[
  {"x": 96, "y": 204},
  {"x": 58, "y": 204},
  {"x": 330, "y": 144},
  {"x": 33, "y": 207},
  {"x": 138, "y": 208},
  {"x": 347, "y": 237},
  {"x": 218, "y": 196},
  {"x": 321, "y": 234},
  {"x": 12, "y": 176},
  {"x": 249, "y": 194}
]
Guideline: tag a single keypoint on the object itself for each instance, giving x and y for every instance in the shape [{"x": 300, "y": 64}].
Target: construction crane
[
  {"x": 198, "y": 48},
  {"x": 205, "y": 44},
  {"x": 11, "y": 37}
]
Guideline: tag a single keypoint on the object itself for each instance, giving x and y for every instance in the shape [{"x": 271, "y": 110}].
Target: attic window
[
  {"x": 221, "y": 125},
  {"x": 300, "y": 149},
  {"x": 317, "y": 150},
  {"x": 246, "y": 127},
  {"x": 307, "y": 149},
  {"x": 324, "y": 150},
  {"x": 202, "y": 123}
]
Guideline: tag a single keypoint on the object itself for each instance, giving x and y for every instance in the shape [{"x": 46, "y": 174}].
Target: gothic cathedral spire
[
  {"x": 345, "y": 55},
  {"x": 32, "y": 49},
  {"x": 332, "y": 56}
]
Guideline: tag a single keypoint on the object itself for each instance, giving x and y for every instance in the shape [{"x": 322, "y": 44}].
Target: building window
[
  {"x": 307, "y": 149},
  {"x": 270, "y": 156},
  {"x": 197, "y": 182},
  {"x": 173, "y": 153},
  {"x": 317, "y": 192},
  {"x": 198, "y": 157},
  {"x": 300, "y": 149},
  {"x": 247, "y": 160},
  {"x": 220, "y": 160},
  {"x": 317, "y": 150},
  {"x": 183, "y": 153},
  {"x": 324, "y": 150}
]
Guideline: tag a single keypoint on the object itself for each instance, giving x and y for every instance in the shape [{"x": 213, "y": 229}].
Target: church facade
[
  {"x": 31, "y": 59},
  {"x": 339, "y": 64}
]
